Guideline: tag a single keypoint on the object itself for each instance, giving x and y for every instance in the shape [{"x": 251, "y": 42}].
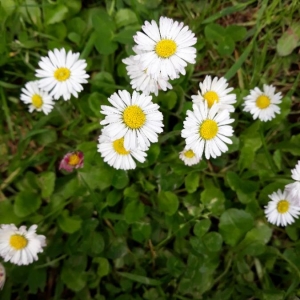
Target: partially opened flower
[
  {"x": 72, "y": 160},
  {"x": 114, "y": 153},
  {"x": 207, "y": 130},
  {"x": 263, "y": 104},
  {"x": 36, "y": 98},
  {"x": 280, "y": 210},
  {"x": 2, "y": 276},
  {"x": 293, "y": 189},
  {"x": 20, "y": 246},
  {"x": 136, "y": 118},
  {"x": 62, "y": 73},
  {"x": 189, "y": 157},
  {"x": 167, "y": 48},
  {"x": 142, "y": 80},
  {"x": 215, "y": 91}
]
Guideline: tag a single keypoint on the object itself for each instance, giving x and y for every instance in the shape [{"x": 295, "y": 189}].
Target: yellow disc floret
[
  {"x": 18, "y": 242},
  {"x": 74, "y": 159},
  {"x": 165, "y": 48},
  {"x": 134, "y": 117},
  {"x": 37, "y": 101},
  {"x": 119, "y": 147},
  {"x": 211, "y": 97},
  {"x": 208, "y": 129},
  {"x": 283, "y": 206},
  {"x": 62, "y": 74},
  {"x": 189, "y": 154},
  {"x": 263, "y": 102}
]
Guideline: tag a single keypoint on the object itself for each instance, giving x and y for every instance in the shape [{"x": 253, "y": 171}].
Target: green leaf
[
  {"x": 113, "y": 197},
  {"x": 168, "y": 202},
  {"x": 69, "y": 224},
  {"x": 37, "y": 280},
  {"x": 140, "y": 279},
  {"x": 103, "y": 268},
  {"x": 55, "y": 13},
  {"x": 214, "y": 32},
  {"x": 168, "y": 99},
  {"x": 125, "y": 17},
  {"x": 235, "y": 32},
  {"x": 46, "y": 182},
  {"x": 120, "y": 179},
  {"x": 234, "y": 224},
  {"x": 125, "y": 36},
  {"x": 213, "y": 198},
  {"x": 201, "y": 227},
  {"x": 289, "y": 40},
  {"x": 213, "y": 241},
  {"x": 26, "y": 203},
  {"x": 133, "y": 211},
  {"x": 7, "y": 214},
  {"x": 192, "y": 182},
  {"x": 75, "y": 280}
]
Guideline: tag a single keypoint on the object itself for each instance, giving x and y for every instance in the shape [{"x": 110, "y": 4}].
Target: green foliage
[{"x": 163, "y": 230}]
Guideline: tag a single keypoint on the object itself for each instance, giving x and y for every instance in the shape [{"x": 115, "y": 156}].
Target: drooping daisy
[
  {"x": 116, "y": 155},
  {"x": 263, "y": 104},
  {"x": 280, "y": 210},
  {"x": 62, "y": 73},
  {"x": 167, "y": 47},
  {"x": 189, "y": 157},
  {"x": 135, "y": 118},
  {"x": 37, "y": 99},
  {"x": 72, "y": 160},
  {"x": 142, "y": 80},
  {"x": 207, "y": 130},
  {"x": 293, "y": 189},
  {"x": 20, "y": 246},
  {"x": 215, "y": 91},
  {"x": 2, "y": 276}
]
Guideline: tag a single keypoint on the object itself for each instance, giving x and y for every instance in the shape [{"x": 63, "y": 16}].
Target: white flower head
[
  {"x": 167, "y": 47},
  {"x": 2, "y": 276},
  {"x": 263, "y": 104},
  {"x": 280, "y": 210},
  {"x": 207, "y": 130},
  {"x": 36, "y": 98},
  {"x": 136, "y": 118},
  {"x": 189, "y": 157},
  {"x": 62, "y": 73},
  {"x": 215, "y": 91},
  {"x": 20, "y": 246},
  {"x": 293, "y": 189},
  {"x": 114, "y": 153},
  {"x": 141, "y": 79}
]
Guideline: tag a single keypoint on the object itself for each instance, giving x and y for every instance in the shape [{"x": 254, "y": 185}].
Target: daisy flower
[
  {"x": 62, "y": 73},
  {"x": 167, "y": 47},
  {"x": 280, "y": 210},
  {"x": 207, "y": 130},
  {"x": 141, "y": 80},
  {"x": 215, "y": 91},
  {"x": 293, "y": 189},
  {"x": 37, "y": 99},
  {"x": 115, "y": 154},
  {"x": 71, "y": 161},
  {"x": 2, "y": 276},
  {"x": 20, "y": 246},
  {"x": 135, "y": 118},
  {"x": 263, "y": 104},
  {"x": 189, "y": 157}
]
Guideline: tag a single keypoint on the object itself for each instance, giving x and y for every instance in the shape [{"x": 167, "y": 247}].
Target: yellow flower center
[
  {"x": 165, "y": 48},
  {"x": 62, "y": 74},
  {"x": 208, "y": 129},
  {"x": 134, "y": 117},
  {"x": 189, "y": 154},
  {"x": 18, "y": 242},
  {"x": 263, "y": 102},
  {"x": 119, "y": 146},
  {"x": 37, "y": 100},
  {"x": 74, "y": 159},
  {"x": 211, "y": 97},
  {"x": 283, "y": 206}
]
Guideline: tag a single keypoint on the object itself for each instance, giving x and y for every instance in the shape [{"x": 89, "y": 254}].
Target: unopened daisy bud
[
  {"x": 166, "y": 46},
  {"x": 72, "y": 160},
  {"x": 207, "y": 130},
  {"x": 62, "y": 73},
  {"x": 263, "y": 104},
  {"x": 189, "y": 157},
  {"x": 280, "y": 210},
  {"x": 215, "y": 91},
  {"x": 36, "y": 98},
  {"x": 293, "y": 189},
  {"x": 2, "y": 276},
  {"x": 20, "y": 246}
]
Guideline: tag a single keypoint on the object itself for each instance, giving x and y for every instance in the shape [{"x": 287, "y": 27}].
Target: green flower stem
[{"x": 52, "y": 262}]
